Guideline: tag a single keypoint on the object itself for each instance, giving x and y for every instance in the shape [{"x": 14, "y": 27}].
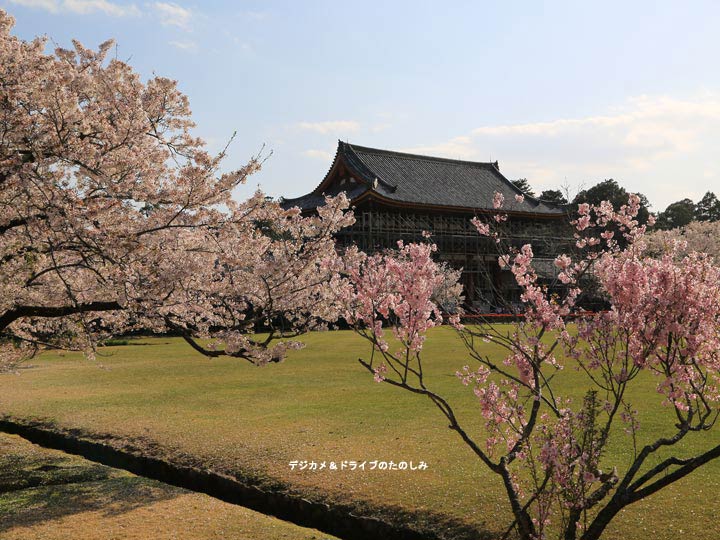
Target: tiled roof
[
  {"x": 426, "y": 181},
  {"x": 313, "y": 200}
]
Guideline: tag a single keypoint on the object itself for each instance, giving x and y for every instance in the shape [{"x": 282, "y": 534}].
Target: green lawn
[{"x": 321, "y": 405}]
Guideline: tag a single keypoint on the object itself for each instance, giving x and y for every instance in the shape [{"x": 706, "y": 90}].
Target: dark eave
[{"x": 374, "y": 197}]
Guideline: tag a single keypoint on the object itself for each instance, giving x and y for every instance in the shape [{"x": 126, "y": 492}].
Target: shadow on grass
[
  {"x": 37, "y": 487},
  {"x": 356, "y": 519}
]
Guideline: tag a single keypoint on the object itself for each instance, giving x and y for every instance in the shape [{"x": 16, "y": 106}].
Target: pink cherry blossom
[
  {"x": 482, "y": 228},
  {"x": 664, "y": 319},
  {"x": 114, "y": 217}
]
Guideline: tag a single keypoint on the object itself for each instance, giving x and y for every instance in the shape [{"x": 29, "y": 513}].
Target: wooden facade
[{"x": 397, "y": 196}]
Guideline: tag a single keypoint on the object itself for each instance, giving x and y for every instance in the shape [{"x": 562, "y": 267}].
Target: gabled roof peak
[{"x": 344, "y": 146}]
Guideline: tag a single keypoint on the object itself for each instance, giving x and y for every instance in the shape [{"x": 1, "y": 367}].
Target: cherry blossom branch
[{"x": 10, "y": 316}]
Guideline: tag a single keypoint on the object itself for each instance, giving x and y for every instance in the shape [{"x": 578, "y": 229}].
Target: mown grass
[
  {"x": 321, "y": 405},
  {"x": 46, "y": 494}
]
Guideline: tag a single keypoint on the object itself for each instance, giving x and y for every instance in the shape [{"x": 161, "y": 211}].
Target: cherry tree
[
  {"x": 699, "y": 236},
  {"x": 548, "y": 447},
  {"x": 113, "y": 217}
]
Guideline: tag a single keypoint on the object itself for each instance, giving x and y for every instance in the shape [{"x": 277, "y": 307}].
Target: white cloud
[
  {"x": 656, "y": 124},
  {"x": 659, "y": 145},
  {"x": 48, "y": 5},
  {"x": 85, "y": 7},
  {"x": 82, "y": 7},
  {"x": 184, "y": 45},
  {"x": 333, "y": 126},
  {"x": 172, "y": 14},
  {"x": 318, "y": 154},
  {"x": 456, "y": 148}
]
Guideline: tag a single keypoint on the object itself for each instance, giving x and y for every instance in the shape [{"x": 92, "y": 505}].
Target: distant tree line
[
  {"x": 685, "y": 211},
  {"x": 677, "y": 214}
]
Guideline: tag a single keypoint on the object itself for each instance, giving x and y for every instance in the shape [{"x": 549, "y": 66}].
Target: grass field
[
  {"x": 49, "y": 495},
  {"x": 321, "y": 405}
]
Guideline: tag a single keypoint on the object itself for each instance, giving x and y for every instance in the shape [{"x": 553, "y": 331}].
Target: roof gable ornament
[{"x": 375, "y": 183}]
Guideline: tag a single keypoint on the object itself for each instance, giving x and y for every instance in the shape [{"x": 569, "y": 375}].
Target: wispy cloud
[
  {"x": 332, "y": 126},
  {"x": 456, "y": 148},
  {"x": 186, "y": 45},
  {"x": 53, "y": 6},
  {"x": 172, "y": 14},
  {"x": 81, "y": 7},
  {"x": 651, "y": 144},
  {"x": 637, "y": 113},
  {"x": 103, "y": 6}
]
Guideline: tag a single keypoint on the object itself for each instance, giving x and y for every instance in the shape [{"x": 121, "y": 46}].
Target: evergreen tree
[
  {"x": 554, "y": 196},
  {"x": 708, "y": 208},
  {"x": 523, "y": 185}
]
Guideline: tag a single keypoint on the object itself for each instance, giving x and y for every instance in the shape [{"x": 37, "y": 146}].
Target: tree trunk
[{"x": 601, "y": 521}]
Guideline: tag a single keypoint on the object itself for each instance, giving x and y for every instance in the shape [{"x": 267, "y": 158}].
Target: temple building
[{"x": 397, "y": 196}]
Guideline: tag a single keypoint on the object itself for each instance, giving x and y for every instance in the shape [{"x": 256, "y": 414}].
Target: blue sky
[{"x": 562, "y": 93}]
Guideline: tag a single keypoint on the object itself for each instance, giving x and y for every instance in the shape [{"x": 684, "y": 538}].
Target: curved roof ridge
[{"x": 423, "y": 157}]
